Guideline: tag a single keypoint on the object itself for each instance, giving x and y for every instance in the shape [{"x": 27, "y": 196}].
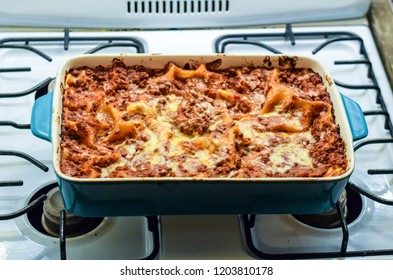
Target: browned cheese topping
[{"x": 244, "y": 122}]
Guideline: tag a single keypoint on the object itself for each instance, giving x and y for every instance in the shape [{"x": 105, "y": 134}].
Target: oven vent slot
[{"x": 177, "y": 7}]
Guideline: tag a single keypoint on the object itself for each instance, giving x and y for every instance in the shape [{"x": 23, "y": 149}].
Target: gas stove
[{"x": 358, "y": 227}]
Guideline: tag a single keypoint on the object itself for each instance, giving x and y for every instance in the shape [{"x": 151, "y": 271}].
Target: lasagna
[{"x": 198, "y": 121}]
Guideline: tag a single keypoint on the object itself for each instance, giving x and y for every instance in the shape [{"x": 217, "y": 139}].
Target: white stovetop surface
[{"x": 182, "y": 237}]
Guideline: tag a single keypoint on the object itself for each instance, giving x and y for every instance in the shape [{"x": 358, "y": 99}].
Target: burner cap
[{"x": 50, "y": 219}]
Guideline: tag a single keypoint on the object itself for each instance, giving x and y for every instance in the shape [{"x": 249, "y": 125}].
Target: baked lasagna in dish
[{"x": 198, "y": 121}]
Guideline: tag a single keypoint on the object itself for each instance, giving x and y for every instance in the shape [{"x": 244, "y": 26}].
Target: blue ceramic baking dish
[{"x": 100, "y": 197}]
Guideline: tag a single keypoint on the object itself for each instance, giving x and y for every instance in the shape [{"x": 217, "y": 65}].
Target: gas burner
[
  {"x": 47, "y": 219},
  {"x": 351, "y": 204}
]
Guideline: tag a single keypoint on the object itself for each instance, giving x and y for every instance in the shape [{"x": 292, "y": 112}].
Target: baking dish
[{"x": 169, "y": 196}]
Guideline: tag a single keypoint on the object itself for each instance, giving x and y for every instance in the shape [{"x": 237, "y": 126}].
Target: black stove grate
[
  {"x": 37, "y": 87},
  {"x": 37, "y": 202},
  {"x": 41, "y": 89},
  {"x": 248, "y": 221},
  {"x": 67, "y": 39},
  {"x": 25, "y": 156},
  {"x": 25, "y": 43},
  {"x": 152, "y": 226},
  {"x": 15, "y": 125}
]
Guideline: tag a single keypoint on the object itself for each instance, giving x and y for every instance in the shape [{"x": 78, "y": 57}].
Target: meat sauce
[{"x": 242, "y": 122}]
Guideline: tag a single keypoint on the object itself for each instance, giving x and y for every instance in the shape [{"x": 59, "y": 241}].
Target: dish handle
[
  {"x": 356, "y": 118},
  {"x": 41, "y": 117}
]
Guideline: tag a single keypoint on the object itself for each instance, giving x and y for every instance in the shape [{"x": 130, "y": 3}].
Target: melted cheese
[
  {"x": 173, "y": 102},
  {"x": 107, "y": 170},
  {"x": 152, "y": 144},
  {"x": 285, "y": 156}
]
